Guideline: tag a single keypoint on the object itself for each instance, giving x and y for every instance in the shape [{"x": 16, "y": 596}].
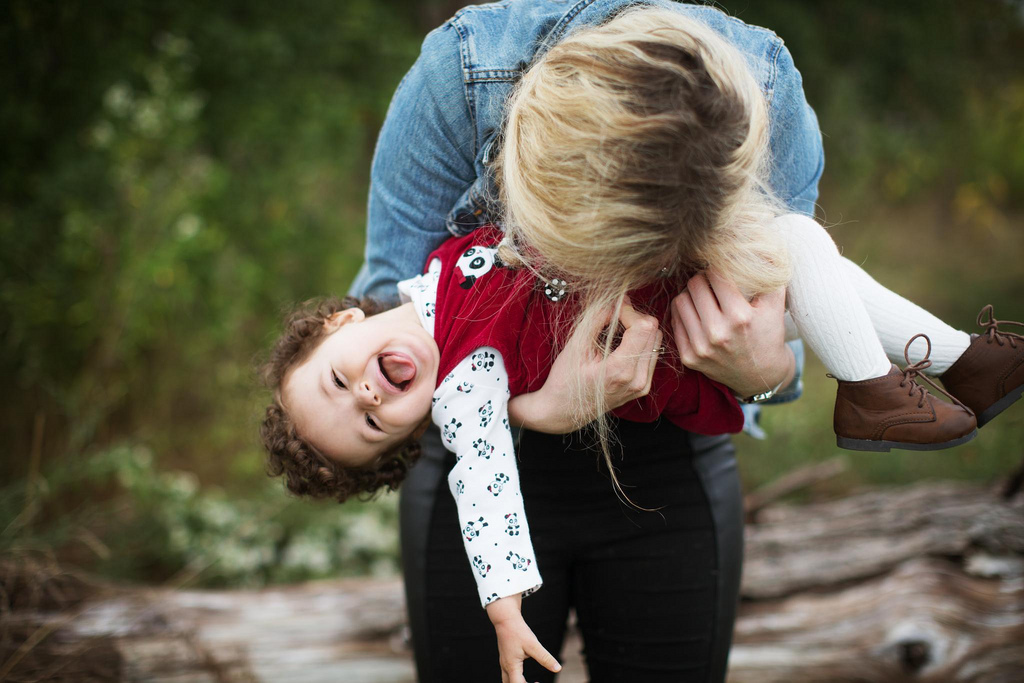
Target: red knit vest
[{"x": 481, "y": 302}]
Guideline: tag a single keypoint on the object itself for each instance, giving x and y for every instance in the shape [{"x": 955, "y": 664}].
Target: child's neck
[{"x": 406, "y": 314}]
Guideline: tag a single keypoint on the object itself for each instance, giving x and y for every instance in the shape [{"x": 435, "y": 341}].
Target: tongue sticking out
[{"x": 397, "y": 369}]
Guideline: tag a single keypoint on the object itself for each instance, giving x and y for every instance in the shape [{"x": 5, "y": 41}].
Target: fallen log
[
  {"x": 924, "y": 583},
  {"x": 795, "y": 548}
]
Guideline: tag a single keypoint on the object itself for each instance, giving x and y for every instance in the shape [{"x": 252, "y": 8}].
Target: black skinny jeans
[{"x": 655, "y": 592}]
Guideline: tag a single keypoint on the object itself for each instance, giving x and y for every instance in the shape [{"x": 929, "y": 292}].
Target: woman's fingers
[
  {"x": 647, "y": 367},
  {"x": 632, "y": 364},
  {"x": 704, "y": 299},
  {"x": 696, "y": 344},
  {"x": 639, "y": 331},
  {"x": 727, "y": 293}
]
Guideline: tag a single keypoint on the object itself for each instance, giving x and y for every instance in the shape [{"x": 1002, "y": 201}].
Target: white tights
[{"x": 853, "y": 324}]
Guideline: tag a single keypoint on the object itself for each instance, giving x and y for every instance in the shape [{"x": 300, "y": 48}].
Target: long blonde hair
[{"x": 638, "y": 149}]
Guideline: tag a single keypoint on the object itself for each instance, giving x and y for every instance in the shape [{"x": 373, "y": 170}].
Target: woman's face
[{"x": 367, "y": 387}]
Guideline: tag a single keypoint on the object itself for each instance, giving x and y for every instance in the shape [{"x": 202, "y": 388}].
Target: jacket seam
[
  {"x": 773, "y": 70},
  {"x": 555, "y": 35},
  {"x": 464, "y": 61}
]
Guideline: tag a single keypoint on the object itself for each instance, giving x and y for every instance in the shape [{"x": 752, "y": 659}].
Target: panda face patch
[{"x": 474, "y": 263}]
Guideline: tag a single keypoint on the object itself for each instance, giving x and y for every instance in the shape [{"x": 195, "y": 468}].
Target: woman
[{"x": 655, "y": 593}]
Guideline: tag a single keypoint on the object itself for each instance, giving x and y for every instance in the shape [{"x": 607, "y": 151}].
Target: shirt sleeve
[{"x": 471, "y": 408}]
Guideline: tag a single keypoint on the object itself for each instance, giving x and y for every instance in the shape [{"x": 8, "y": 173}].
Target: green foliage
[
  {"x": 197, "y": 171},
  {"x": 914, "y": 96},
  {"x": 139, "y": 522}
]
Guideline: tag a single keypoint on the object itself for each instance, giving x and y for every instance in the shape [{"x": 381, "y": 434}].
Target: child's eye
[
  {"x": 337, "y": 380},
  {"x": 373, "y": 425}
]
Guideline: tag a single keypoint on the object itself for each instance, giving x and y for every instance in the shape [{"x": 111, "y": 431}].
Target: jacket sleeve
[
  {"x": 798, "y": 158},
  {"x": 470, "y": 407},
  {"x": 422, "y": 163}
]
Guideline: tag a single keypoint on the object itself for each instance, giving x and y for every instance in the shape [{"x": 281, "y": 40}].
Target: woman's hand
[
  {"x": 516, "y": 642},
  {"x": 738, "y": 343},
  {"x": 628, "y": 371}
]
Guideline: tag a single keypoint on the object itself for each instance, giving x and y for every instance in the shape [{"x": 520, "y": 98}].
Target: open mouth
[{"x": 398, "y": 370}]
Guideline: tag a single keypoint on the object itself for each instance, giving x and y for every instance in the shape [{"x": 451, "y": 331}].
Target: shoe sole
[
  {"x": 882, "y": 446},
  {"x": 985, "y": 416}
]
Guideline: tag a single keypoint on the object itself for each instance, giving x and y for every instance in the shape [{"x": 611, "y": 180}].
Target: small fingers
[
  {"x": 512, "y": 672},
  {"x": 543, "y": 657}
]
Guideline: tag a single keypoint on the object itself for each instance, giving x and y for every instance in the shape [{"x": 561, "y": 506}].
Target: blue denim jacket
[{"x": 430, "y": 177}]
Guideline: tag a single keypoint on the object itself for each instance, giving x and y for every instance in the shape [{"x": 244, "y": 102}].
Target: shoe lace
[
  {"x": 915, "y": 372},
  {"x": 991, "y": 326}
]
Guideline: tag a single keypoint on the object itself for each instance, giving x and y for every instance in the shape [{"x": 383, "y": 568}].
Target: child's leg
[
  {"x": 878, "y": 407},
  {"x": 826, "y": 307},
  {"x": 896, "y": 320}
]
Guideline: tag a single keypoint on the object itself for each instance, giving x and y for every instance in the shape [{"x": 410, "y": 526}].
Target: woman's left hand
[{"x": 736, "y": 342}]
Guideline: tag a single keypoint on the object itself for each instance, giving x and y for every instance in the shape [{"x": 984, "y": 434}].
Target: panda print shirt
[{"x": 470, "y": 406}]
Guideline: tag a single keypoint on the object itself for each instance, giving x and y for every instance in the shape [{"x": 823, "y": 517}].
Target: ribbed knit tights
[{"x": 853, "y": 324}]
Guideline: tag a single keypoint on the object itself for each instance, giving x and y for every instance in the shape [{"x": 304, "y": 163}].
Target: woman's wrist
[{"x": 773, "y": 378}]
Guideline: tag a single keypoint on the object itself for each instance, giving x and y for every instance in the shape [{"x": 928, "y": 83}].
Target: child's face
[{"x": 366, "y": 387}]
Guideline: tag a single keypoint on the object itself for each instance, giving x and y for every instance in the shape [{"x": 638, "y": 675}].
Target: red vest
[{"x": 483, "y": 303}]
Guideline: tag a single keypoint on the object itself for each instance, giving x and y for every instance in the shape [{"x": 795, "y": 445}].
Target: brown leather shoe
[
  {"x": 895, "y": 411},
  {"x": 989, "y": 376}
]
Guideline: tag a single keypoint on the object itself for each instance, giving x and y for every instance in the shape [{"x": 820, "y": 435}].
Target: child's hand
[
  {"x": 626, "y": 375},
  {"x": 516, "y": 642}
]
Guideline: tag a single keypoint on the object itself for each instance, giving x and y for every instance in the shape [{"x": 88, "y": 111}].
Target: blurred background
[{"x": 176, "y": 174}]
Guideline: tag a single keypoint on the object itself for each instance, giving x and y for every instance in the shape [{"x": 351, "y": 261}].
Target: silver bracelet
[{"x": 763, "y": 396}]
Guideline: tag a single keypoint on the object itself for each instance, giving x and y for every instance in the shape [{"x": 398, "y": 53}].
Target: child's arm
[
  {"x": 516, "y": 642},
  {"x": 470, "y": 409},
  {"x": 627, "y": 375}
]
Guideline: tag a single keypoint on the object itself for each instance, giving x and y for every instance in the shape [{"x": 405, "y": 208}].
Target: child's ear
[{"x": 339, "y": 318}]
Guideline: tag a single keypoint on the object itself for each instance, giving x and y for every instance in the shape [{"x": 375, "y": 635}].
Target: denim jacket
[{"x": 430, "y": 175}]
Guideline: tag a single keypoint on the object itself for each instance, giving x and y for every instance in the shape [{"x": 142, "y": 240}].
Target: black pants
[{"x": 655, "y": 592}]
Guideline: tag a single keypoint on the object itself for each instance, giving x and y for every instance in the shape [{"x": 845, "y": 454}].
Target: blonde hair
[{"x": 638, "y": 149}]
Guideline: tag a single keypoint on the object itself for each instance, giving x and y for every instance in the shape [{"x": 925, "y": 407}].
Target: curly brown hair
[{"x": 306, "y": 470}]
